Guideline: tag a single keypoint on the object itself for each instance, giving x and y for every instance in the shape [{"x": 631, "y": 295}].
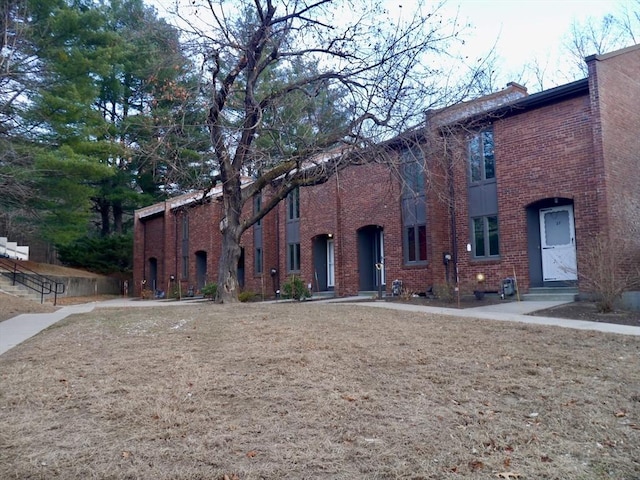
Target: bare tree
[
  {"x": 598, "y": 36},
  {"x": 386, "y": 66},
  {"x": 629, "y": 21}
]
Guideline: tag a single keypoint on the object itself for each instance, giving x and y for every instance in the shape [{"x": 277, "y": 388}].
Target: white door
[
  {"x": 558, "y": 243},
  {"x": 331, "y": 276}
]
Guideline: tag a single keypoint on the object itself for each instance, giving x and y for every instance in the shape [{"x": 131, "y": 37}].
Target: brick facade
[{"x": 574, "y": 148}]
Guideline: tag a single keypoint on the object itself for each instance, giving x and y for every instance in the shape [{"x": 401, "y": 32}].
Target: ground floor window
[
  {"x": 185, "y": 266},
  {"x": 293, "y": 257},
  {"x": 486, "y": 240},
  {"x": 258, "y": 260},
  {"x": 415, "y": 243}
]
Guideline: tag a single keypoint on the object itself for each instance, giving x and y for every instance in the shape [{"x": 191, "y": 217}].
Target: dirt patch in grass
[
  {"x": 316, "y": 391},
  {"x": 589, "y": 311},
  {"x": 582, "y": 310},
  {"x": 11, "y": 306},
  {"x": 465, "y": 301}
]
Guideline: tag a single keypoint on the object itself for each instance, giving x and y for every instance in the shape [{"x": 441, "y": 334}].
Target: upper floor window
[
  {"x": 257, "y": 207},
  {"x": 414, "y": 209},
  {"x": 481, "y": 159},
  {"x": 413, "y": 174},
  {"x": 293, "y": 204}
]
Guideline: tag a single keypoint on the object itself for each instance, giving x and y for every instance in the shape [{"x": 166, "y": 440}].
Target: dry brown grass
[{"x": 316, "y": 391}]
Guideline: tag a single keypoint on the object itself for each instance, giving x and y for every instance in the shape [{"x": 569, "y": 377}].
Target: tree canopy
[{"x": 92, "y": 115}]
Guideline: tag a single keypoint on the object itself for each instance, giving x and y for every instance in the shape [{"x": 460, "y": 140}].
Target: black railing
[{"x": 31, "y": 279}]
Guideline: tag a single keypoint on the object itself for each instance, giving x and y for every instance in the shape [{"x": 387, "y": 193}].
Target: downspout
[
  {"x": 276, "y": 278},
  {"x": 452, "y": 220},
  {"x": 337, "y": 262},
  {"x": 144, "y": 250},
  {"x": 176, "y": 273}
]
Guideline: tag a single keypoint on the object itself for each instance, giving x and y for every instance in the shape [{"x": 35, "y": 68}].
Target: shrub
[
  {"x": 210, "y": 290},
  {"x": 607, "y": 272},
  {"x": 246, "y": 296},
  {"x": 295, "y": 288},
  {"x": 146, "y": 294},
  {"x": 444, "y": 292},
  {"x": 176, "y": 292},
  {"x": 406, "y": 294}
]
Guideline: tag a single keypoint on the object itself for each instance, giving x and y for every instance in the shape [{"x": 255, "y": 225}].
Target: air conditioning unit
[
  {"x": 508, "y": 287},
  {"x": 396, "y": 288}
]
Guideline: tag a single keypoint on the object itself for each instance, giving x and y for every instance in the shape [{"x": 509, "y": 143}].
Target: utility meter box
[
  {"x": 396, "y": 288},
  {"x": 508, "y": 287}
]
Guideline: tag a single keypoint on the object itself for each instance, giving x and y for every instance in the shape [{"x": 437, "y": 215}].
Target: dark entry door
[
  {"x": 201, "y": 269},
  {"x": 152, "y": 281},
  {"x": 320, "y": 263},
  {"x": 370, "y": 257}
]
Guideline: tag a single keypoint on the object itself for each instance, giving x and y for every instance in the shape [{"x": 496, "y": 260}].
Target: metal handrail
[{"x": 31, "y": 279}]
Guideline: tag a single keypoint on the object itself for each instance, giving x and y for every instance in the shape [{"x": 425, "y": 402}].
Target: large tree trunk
[
  {"x": 105, "y": 224},
  {"x": 228, "y": 286},
  {"x": 117, "y": 217}
]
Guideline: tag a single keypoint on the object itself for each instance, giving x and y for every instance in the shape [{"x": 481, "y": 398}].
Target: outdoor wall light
[
  {"x": 330, "y": 235},
  {"x": 480, "y": 277}
]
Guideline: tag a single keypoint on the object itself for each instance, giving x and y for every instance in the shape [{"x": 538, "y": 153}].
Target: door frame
[
  {"x": 568, "y": 272},
  {"x": 331, "y": 264},
  {"x": 370, "y": 242}
]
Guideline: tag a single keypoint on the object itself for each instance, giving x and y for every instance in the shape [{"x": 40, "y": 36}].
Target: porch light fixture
[
  {"x": 330, "y": 235},
  {"x": 480, "y": 277}
]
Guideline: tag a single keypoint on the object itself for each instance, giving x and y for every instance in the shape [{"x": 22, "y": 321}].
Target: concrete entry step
[
  {"x": 566, "y": 294},
  {"x": 18, "y": 290}
]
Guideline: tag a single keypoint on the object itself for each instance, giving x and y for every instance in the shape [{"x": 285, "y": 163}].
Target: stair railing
[{"x": 31, "y": 279}]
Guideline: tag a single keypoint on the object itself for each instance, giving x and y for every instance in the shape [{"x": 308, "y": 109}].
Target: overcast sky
[
  {"x": 522, "y": 30},
  {"x": 529, "y": 29}
]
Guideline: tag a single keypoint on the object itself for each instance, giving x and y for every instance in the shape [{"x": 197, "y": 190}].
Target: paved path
[{"x": 18, "y": 329}]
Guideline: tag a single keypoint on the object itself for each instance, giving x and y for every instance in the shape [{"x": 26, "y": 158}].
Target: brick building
[{"x": 505, "y": 185}]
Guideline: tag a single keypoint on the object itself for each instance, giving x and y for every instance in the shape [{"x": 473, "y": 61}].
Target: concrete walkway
[{"x": 18, "y": 329}]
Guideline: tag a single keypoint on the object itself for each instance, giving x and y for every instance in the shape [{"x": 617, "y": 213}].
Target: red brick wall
[
  {"x": 149, "y": 242},
  {"x": 539, "y": 154},
  {"x": 356, "y": 197},
  {"x": 616, "y": 102},
  {"x": 584, "y": 149}
]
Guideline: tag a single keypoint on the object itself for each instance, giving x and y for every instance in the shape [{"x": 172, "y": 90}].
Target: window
[
  {"x": 257, "y": 207},
  {"x": 483, "y": 196},
  {"x": 416, "y": 238},
  {"x": 486, "y": 240},
  {"x": 258, "y": 260},
  {"x": 481, "y": 159},
  {"x": 293, "y": 257},
  {"x": 293, "y": 205},
  {"x": 414, "y": 211},
  {"x": 257, "y": 237}
]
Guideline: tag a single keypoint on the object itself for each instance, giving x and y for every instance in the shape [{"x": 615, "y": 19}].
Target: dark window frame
[
  {"x": 258, "y": 260},
  {"x": 293, "y": 257},
  {"x": 481, "y": 157},
  {"x": 293, "y": 205},
  {"x": 414, "y": 208},
  {"x": 485, "y": 237},
  {"x": 257, "y": 207}
]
